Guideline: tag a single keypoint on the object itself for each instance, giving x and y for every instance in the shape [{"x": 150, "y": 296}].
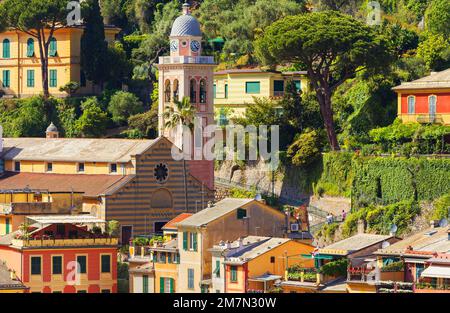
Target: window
[
  {"x": 272, "y": 259},
  {"x": 298, "y": 85},
  {"x": 49, "y": 167},
  {"x": 53, "y": 78},
  {"x": 162, "y": 257},
  {"x": 176, "y": 258},
  {"x": 17, "y": 166},
  {"x": 167, "y": 91},
  {"x": 226, "y": 91},
  {"x": 252, "y": 87},
  {"x": 432, "y": 100},
  {"x": 106, "y": 263},
  {"x": 81, "y": 291},
  {"x": 233, "y": 277},
  {"x": 411, "y": 104},
  {"x": 144, "y": 283},
  {"x": 176, "y": 90},
  {"x": 61, "y": 229},
  {"x": 80, "y": 167},
  {"x": 113, "y": 168},
  {"x": 241, "y": 213},
  {"x": 193, "y": 241},
  {"x": 214, "y": 91},
  {"x": 185, "y": 240},
  {"x": 217, "y": 270},
  {"x": 169, "y": 258},
  {"x": 190, "y": 278},
  {"x": 30, "y": 47},
  {"x": 81, "y": 260},
  {"x": 53, "y": 49},
  {"x": 6, "y": 79},
  {"x": 203, "y": 91},
  {"x": 30, "y": 78},
  {"x": 278, "y": 87},
  {"x": 35, "y": 265},
  {"x": 6, "y": 49},
  {"x": 56, "y": 265},
  {"x": 193, "y": 91},
  {"x": 107, "y": 290}
]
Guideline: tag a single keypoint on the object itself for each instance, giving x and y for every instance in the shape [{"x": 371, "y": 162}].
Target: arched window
[
  {"x": 167, "y": 91},
  {"x": 193, "y": 91},
  {"x": 161, "y": 199},
  {"x": 53, "y": 48},
  {"x": 30, "y": 47},
  {"x": 432, "y": 101},
  {"x": 411, "y": 104},
  {"x": 175, "y": 90},
  {"x": 6, "y": 49},
  {"x": 203, "y": 91}
]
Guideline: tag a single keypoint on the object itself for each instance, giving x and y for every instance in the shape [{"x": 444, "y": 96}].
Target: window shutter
[
  {"x": 171, "y": 281},
  {"x": 145, "y": 284},
  {"x": 6, "y": 49},
  {"x": 161, "y": 284},
  {"x": 298, "y": 85},
  {"x": 154, "y": 257},
  {"x": 185, "y": 241},
  {"x": 195, "y": 242},
  {"x": 53, "y": 47},
  {"x": 30, "y": 48},
  {"x": 169, "y": 258}
]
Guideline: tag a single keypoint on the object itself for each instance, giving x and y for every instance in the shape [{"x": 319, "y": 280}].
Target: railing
[
  {"x": 186, "y": 60},
  {"x": 431, "y": 286},
  {"x": 65, "y": 242},
  {"x": 25, "y": 207},
  {"x": 357, "y": 274},
  {"x": 430, "y": 119}
]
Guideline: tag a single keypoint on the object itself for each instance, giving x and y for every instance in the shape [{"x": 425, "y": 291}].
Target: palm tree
[{"x": 182, "y": 112}]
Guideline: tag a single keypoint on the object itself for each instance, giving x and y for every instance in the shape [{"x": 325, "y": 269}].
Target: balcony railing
[
  {"x": 186, "y": 60},
  {"x": 25, "y": 208},
  {"x": 430, "y": 119},
  {"x": 65, "y": 242},
  {"x": 356, "y": 274}
]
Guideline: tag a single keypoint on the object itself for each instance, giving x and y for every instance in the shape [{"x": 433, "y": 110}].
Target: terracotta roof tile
[{"x": 171, "y": 225}]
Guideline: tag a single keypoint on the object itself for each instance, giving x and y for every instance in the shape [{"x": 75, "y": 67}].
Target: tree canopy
[{"x": 331, "y": 46}]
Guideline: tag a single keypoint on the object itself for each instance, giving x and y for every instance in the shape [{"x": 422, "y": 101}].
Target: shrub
[
  {"x": 335, "y": 268},
  {"x": 393, "y": 267},
  {"x": 93, "y": 121},
  {"x": 306, "y": 148},
  {"x": 70, "y": 88},
  {"x": 441, "y": 207},
  {"x": 123, "y": 105}
]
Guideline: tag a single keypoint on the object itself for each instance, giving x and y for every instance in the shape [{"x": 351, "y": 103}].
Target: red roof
[
  {"x": 171, "y": 225},
  {"x": 89, "y": 185}
]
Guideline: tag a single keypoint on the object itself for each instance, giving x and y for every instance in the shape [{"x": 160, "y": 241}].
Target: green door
[{"x": 8, "y": 230}]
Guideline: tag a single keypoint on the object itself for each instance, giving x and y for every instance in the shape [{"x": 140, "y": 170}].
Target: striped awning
[{"x": 436, "y": 271}]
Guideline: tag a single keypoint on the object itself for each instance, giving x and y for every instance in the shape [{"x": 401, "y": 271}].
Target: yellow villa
[
  {"x": 20, "y": 66},
  {"x": 234, "y": 89}
]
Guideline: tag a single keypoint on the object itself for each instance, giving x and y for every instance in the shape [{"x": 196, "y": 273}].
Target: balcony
[
  {"x": 26, "y": 208},
  {"x": 81, "y": 242},
  {"x": 431, "y": 288},
  {"x": 187, "y": 60},
  {"x": 430, "y": 119}
]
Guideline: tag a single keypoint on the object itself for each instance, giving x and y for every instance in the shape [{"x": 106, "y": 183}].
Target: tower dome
[
  {"x": 52, "y": 131},
  {"x": 186, "y": 24}
]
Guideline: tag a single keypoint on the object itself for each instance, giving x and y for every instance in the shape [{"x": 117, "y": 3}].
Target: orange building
[
  {"x": 59, "y": 254},
  {"x": 254, "y": 264},
  {"x": 426, "y": 100}
]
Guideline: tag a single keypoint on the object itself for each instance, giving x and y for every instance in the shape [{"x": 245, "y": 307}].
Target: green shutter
[
  {"x": 53, "y": 78},
  {"x": 155, "y": 257},
  {"x": 234, "y": 274},
  {"x": 53, "y": 51},
  {"x": 217, "y": 270},
  {"x": 298, "y": 85},
  {"x": 171, "y": 283},
  {"x": 57, "y": 265},
  {"x": 185, "y": 240},
  {"x": 106, "y": 263},
  {"x": 161, "y": 285},
  {"x": 278, "y": 85},
  {"x": 7, "y": 225},
  {"x": 6, "y": 79},
  {"x": 169, "y": 257},
  {"x": 30, "y": 78},
  {"x": 195, "y": 242},
  {"x": 6, "y": 49},
  {"x": 145, "y": 284},
  {"x": 226, "y": 91},
  {"x": 81, "y": 259},
  {"x": 252, "y": 87},
  {"x": 30, "y": 48},
  {"x": 214, "y": 91}
]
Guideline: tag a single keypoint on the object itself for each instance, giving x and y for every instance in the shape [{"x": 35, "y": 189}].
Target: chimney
[
  {"x": 52, "y": 131},
  {"x": 241, "y": 242},
  {"x": 434, "y": 223}
]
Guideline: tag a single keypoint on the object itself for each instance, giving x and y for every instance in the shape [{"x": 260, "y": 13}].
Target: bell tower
[{"x": 188, "y": 74}]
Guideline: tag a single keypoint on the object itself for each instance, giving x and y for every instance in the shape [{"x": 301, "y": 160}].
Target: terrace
[{"x": 186, "y": 60}]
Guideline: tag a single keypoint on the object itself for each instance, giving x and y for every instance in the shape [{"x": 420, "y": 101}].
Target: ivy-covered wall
[{"x": 387, "y": 180}]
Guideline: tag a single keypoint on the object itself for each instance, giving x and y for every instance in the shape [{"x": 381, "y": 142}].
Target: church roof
[
  {"x": 186, "y": 25},
  {"x": 73, "y": 149}
]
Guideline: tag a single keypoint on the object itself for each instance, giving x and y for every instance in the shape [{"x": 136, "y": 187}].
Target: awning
[
  {"x": 415, "y": 260},
  {"x": 436, "y": 271},
  {"x": 66, "y": 219},
  {"x": 265, "y": 277},
  {"x": 318, "y": 256}
]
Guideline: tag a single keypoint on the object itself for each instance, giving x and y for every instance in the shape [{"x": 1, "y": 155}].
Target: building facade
[
  {"x": 426, "y": 100},
  {"x": 20, "y": 65},
  {"x": 46, "y": 260},
  {"x": 136, "y": 182},
  {"x": 235, "y": 89}
]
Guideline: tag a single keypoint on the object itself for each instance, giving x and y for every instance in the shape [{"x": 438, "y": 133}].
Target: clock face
[
  {"x": 195, "y": 46},
  {"x": 173, "y": 45}
]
